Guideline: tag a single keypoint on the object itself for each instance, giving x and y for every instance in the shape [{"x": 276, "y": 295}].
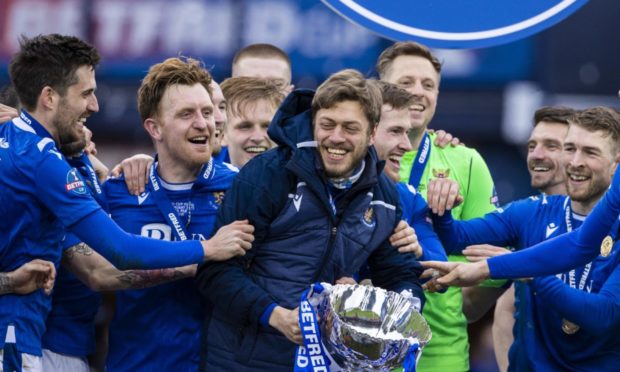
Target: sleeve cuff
[{"x": 264, "y": 319}]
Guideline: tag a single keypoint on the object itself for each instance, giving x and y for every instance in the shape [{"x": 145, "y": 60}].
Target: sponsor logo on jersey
[
  {"x": 159, "y": 231},
  {"x": 142, "y": 197},
  {"x": 551, "y": 228},
  {"x": 3, "y": 143},
  {"x": 75, "y": 183},
  {"x": 368, "y": 218},
  {"x": 441, "y": 173}
]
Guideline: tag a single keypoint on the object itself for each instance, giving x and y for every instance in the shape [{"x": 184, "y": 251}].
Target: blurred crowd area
[{"x": 487, "y": 96}]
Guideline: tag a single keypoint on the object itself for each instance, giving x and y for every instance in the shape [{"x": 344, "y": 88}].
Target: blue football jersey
[
  {"x": 540, "y": 343},
  {"x": 39, "y": 195},
  {"x": 415, "y": 212},
  {"x": 70, "y": 325},
  {"x": 159, "y": 328}
]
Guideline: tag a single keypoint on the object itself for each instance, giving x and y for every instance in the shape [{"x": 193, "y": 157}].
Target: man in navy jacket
[{"x": 321, "y": 207}]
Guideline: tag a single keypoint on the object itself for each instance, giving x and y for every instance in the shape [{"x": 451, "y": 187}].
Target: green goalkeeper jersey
[{"x": 448, "y": 349}]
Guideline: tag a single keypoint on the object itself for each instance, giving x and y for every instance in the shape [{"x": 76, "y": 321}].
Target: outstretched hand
[
  {"x": 475, "y": 253},
  {"x": 458, "y": 274}
]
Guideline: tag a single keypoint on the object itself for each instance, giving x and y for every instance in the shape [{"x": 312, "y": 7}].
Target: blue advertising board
[{"x": 456, "y": 24}]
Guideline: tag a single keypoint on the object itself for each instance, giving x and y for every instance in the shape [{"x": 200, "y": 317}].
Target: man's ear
[
  {"x": 153, "y": 128},
  {"x": 372, "y": 135},
  {"x": 48, "y": 98}
]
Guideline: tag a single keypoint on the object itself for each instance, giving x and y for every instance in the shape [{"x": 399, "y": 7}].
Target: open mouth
[
  {"x": 335, "y": 153},
  {"x": 255, "y": 149},
  {"x": 417, "y": 107},
  {"x": 199, "y": 140},
  {"x": 577, "y": 178},
  {"x": 395, "y": 160}
]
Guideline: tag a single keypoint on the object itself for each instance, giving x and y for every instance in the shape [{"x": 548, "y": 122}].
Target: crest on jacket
[{"x": 369, "y": 217}]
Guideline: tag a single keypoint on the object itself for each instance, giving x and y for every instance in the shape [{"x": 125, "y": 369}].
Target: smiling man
[
  {"x": 54, "y": 76},
  {"x": 413, "y": 67},
  {"x": 566, "y": 321},
  {"x": 544, "y": 149},
  {"x": 321, "y": 208},
  {"x": 185, "y": 189},
  {"x": 250, "y": 105}
]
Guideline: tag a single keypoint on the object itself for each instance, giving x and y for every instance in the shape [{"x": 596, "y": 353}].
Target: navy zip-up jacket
[{"x": 299, "y": 240}]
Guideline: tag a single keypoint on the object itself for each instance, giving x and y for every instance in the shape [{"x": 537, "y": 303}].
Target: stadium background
[{"x": 487, "y": 96}]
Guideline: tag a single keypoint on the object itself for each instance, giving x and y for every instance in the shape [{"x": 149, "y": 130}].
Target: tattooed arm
[
  {"x": 33, "y": 275},
  {"x": 100, "y": 275}
]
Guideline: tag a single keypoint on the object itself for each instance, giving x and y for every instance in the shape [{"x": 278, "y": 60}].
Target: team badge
[
  {"x": 75, "y": 183},
  {"x": 606, "y": 246},
  {"x": 368, "y": 218},
  {"x": 569, "y": 327},
  {"x": 218, "y": 197},
  {"x": 441, "y": 173}
]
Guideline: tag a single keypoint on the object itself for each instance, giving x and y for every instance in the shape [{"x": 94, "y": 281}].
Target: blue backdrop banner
[{"x": 456, "y": 24}]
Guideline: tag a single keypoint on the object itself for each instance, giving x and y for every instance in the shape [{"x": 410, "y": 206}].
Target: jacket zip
[{"x": 328, "y": 253}]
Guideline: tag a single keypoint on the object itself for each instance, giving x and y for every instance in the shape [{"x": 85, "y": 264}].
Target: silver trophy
[{"x": 369, "y": 328}]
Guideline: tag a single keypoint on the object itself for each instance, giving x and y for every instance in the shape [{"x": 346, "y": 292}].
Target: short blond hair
[{"x": 243, "y": 91}]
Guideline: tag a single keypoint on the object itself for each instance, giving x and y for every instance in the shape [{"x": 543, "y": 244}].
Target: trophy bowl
[{"x": 369, "y": 328}]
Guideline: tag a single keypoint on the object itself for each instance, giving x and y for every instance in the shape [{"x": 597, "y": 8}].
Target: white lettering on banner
[
  {"x": 302, "y": 359},
  {"x": 154, "y": 181},
  {"x": 159, "y": 231},
  {"x": 33, "y": 18},
  {"x": 139, "y": 27},
  {"x": 312, "y": 342},
  {"x": 143, "y": 28},
  {"x": 177, "y": 226}
]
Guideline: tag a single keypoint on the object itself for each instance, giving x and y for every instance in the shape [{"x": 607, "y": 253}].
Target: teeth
[
  {"x": 578, "y": 178},
  {"x": 417, "y": 107},
  {"x": 395, "y": 158},
  {"x": 336, "y": 151},
  {"x": 541, "y": 169},
  {"x": 199, "y": 139},
  {"x": 256, "y": 149}
]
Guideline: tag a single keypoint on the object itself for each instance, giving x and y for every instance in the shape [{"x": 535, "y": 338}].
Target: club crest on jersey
[
  {"x": 75, "y": 183},
  {"x": 218, "y": 197},
  {"x": 368, "y": 218},
  {"x": 441, "y": 173},
  {"x": 3, "y": 143}
]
